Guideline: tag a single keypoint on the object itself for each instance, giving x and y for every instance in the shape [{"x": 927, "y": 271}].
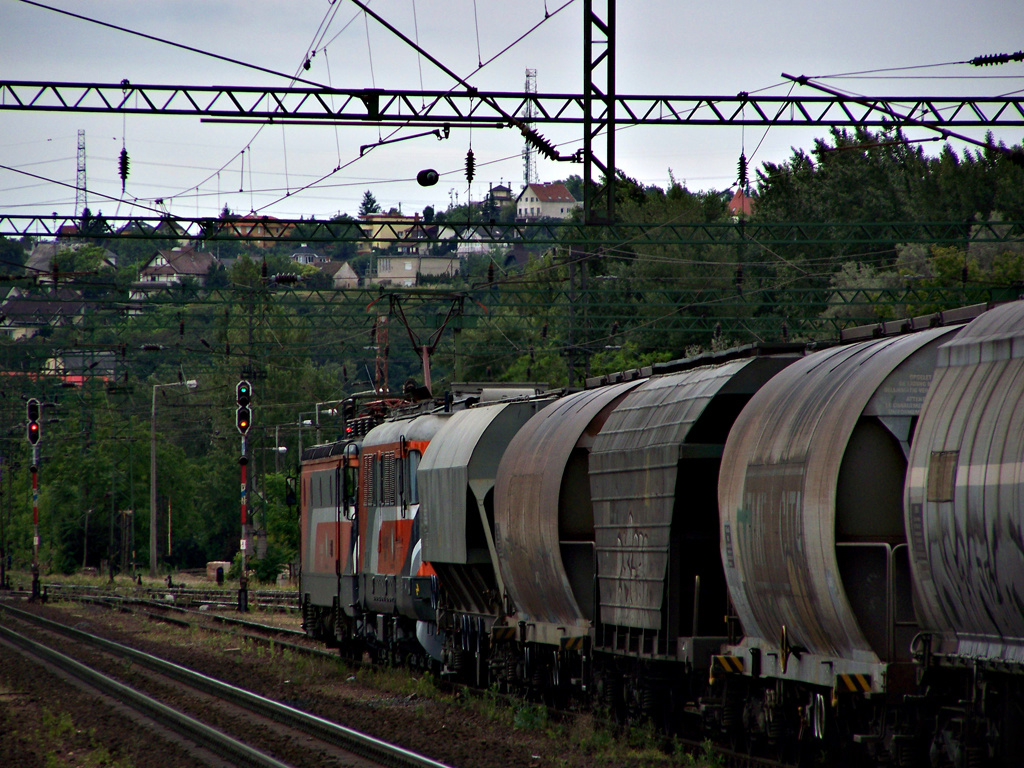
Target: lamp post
[{"x": 191, "y": 384}]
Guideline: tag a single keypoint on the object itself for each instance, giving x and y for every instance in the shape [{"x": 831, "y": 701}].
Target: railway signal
[
  {"x": 34, "y": 430},
  {"x": 243, "y": 419},
  {"x": 243, "y": 392},
  {"x": 243, "y": 414}
]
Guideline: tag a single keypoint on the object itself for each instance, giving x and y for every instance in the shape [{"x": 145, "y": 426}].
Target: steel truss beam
[
  {"x": 599, "y": 112},
  {"x": 332, "y": 106},
  {"x": 268, "y": 229}
]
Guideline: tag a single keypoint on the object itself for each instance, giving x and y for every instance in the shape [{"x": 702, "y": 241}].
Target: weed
[
  {"x": 530, "y": 717},
  {"x": 58, "y": 725}
]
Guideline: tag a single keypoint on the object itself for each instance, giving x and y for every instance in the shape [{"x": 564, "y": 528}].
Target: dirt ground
[{"x": 45, "y": 721}]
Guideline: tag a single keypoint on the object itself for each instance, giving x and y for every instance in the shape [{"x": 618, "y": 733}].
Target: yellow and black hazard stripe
[
  {"x": 499, "y": 633},
  {"x": 728, "y": 663},
  {"x": 724, "y": 663},
  {"x": 853, "y": 683},
  {"x": 572, "y": 643}
]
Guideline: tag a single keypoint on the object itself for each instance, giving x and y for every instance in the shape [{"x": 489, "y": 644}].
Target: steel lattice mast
[{"x": 81, "y": 183}]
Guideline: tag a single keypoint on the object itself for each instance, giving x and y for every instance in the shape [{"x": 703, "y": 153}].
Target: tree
[
  {"x": 12, "y": 256},
  {"x": 369, "y": 204}
]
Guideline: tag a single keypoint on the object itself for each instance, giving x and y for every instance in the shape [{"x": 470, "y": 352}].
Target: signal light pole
[
  {"x": 33, "y": 433},
  {"x": 243, "y": 420},
  {"x": 190, "y": 384}
]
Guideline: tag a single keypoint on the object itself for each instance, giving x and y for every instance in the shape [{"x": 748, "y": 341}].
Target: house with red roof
[
  {"x": 740, "y": 205},
  {"x": 551, "y": 200}
]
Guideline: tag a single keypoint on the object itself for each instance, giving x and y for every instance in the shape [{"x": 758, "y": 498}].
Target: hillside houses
[{"x": 26, "y": 313}]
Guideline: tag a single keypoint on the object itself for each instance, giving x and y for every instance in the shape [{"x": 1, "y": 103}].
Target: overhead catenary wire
[
  {"x": 318, "y": 38},
  {"x": 459, "y": 80}
]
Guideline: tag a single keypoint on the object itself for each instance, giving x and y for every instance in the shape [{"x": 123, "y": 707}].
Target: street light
[{"x": 191, "y": 384}]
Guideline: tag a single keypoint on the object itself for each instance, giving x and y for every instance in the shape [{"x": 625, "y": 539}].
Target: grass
[{"x": 62, "y": 740}]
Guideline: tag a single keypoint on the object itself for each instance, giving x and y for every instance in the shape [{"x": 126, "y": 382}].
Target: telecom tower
[
  {"x": 529, "y": 151},
  {"x": 81, "y": 201}
]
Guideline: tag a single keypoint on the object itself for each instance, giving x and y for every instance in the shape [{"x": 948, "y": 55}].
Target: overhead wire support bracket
[
  {"x": 900, "y": 119},
  {"x": 472, "y": 92},
  {"x": 441, "y": 133}
]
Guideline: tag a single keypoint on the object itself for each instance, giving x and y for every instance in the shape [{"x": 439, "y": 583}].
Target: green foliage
[
  {"x": 13, "y": 255},
  {"x": 88, "y": 259},
  {"x": 369, "y": 204},
  {"x": 530, "y": 717}
]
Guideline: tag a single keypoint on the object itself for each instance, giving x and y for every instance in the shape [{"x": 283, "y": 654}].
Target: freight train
[{"x": 803, "y": 553}]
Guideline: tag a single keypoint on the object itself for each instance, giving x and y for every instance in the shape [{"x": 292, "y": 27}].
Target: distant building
[
  {"x": 255, "y": 227},
  {"x": 390, "y": 230},
  {"x": 405, "y": 269},
  {"x": 501, "y": 194},
  {"x": 77, "y": 367},
  {"x": 40, "y": 261},
  {"x": 24, "y": 313},
  {"x": 478, "y": 241},
  {"x": 740, "y": 205},
  {"x": 173, "y": 266},
  {"x": 552, "y": 200},
  {"x": 341, "y": 273},
  {"x": 306, "y": 255}
]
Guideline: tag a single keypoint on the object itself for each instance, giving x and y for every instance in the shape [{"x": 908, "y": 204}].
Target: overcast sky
[{"x": 665, "y": 47}]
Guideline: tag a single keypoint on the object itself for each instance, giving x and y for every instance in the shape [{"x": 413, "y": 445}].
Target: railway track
[
  {"x": 264, "y": 600},
  {"x": 270, "y": 636},
  {"x": 246, "y": 630},
  {"x": 217, "y": 716}
]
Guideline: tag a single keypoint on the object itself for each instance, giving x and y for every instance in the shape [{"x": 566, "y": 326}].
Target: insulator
[
  {"x": 181, "y": 327},
  {"x": 263, "y": 269},
  {"x": 540, "y": 143},
  {"x": 122, "y": 167},
  {"x": 785, "y": 331},
  {"x": 490, "y": 272},
  {"x": 544, "y": 331},
  {"x": 743, "y": 171},
  {"x": 738, "y": 280},
  {"x": 963, "y": 275},
  {"x": 996, "y": 58},
  {"x": 470, "y": 166}
]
